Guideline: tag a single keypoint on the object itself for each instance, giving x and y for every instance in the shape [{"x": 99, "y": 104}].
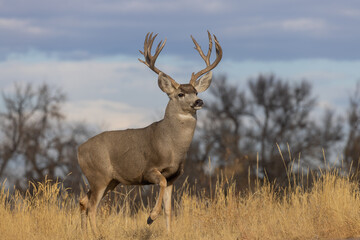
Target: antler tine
[
  {"x": 206, "y": 58},
  {"x": 149, "y": 59},
  {"x": 210, "y": 47},
  {"x": 218, "y": 48},
  {"x": 198, "y": 48},
  {"x": 159, "y": 48},
  {"x": 150, "y": 43}
]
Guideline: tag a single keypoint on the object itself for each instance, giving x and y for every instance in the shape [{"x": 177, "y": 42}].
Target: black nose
[{"x": 199, "y": 103}]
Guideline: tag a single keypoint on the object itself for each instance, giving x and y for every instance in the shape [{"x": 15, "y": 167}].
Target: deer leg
[
  {"x": 156, "y": 177},
  {"x": 112, "y": 184},
  {"x": 95, "y": 197},
  {"x": 84, "y": 210},
  {"x": 85, "y": 205},
  {"x": 167, "y": 206}
]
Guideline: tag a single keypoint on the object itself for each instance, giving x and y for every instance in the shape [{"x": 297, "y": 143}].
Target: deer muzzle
[{"x": 198, "y": 104}]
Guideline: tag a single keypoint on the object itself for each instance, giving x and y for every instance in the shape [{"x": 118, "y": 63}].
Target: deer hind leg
[
  {"x": 93, "y": 202},
  {"x": 156, "y": 177},
  {"x": 89, "y": 203},
  {"x": 84, "y": 210}
]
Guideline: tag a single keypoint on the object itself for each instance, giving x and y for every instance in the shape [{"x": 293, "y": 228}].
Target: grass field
[{"x": 330, "y": 209}]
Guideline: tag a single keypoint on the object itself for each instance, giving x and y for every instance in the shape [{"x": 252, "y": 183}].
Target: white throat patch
[{"x": 184, "y": 117}]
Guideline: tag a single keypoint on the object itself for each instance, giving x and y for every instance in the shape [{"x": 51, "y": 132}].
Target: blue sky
[{"x": 90, "y": 49}]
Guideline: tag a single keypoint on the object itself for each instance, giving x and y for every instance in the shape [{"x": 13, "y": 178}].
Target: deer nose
[{"x": 199, "y": 103}]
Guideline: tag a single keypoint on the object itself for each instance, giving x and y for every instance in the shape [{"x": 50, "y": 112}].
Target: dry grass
[{"x": 329, "y": 210}]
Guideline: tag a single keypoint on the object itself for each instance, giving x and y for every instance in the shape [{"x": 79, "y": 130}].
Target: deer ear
[
  {"x": 204, "y": 82},
  {"x": 165, "y": 84}
]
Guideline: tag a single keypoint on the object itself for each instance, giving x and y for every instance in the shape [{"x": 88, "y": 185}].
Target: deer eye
[{"x": 181, "y": 95}]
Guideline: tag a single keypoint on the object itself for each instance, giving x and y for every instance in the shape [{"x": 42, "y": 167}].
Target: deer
[{"x": 154, "y": 154}]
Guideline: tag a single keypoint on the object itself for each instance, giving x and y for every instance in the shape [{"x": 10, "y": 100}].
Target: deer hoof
[{"x": 149, "y": 221}]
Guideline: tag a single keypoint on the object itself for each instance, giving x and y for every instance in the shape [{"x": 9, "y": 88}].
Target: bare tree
[
  {"x": 282, "y": 115},
  {"x": 241, "y": 124},
  {"x": 352, "y": 147},
  {"x": 35, "y": 141}
]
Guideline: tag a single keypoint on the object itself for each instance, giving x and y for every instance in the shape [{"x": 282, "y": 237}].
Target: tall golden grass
[{"x": 330, "y": 209}]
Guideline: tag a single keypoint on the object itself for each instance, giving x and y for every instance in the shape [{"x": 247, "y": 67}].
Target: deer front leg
[
  {"x": 156, "y": 177},
  {"x": 167, "y": 206}
]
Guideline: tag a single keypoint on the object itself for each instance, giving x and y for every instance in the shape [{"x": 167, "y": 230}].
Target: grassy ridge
[{"x": 330, "y": 209}]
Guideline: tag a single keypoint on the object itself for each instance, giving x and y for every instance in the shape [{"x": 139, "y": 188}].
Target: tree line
[
  {"x": 261, "y": 129},
  {"x": 36, "y": 141},
  {"x": 270, "y": 127}
]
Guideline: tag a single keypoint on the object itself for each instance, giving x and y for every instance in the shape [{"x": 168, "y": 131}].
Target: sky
[{"x": 89, "y": 49}]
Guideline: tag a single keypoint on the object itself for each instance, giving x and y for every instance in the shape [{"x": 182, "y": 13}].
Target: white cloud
[
  {"x": 110, "y": 115},
  {"x": 102, "y": 76},
  {"x": 304, "y": 25},
  {"x": 105, "y": 7},
  {"x": 118, "y": 92},
  {"x": 23, "y": 26},
  {"x": 160, "y": 6},
  {"x": 263, "y": 26},
  {"x": 87, "y": 75},
  {"x": 351, "y": 12}
]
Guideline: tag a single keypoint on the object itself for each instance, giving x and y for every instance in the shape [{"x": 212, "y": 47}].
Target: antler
[
  {"x": 206, "y": 58},
  {"x": 149, "y": 59}
]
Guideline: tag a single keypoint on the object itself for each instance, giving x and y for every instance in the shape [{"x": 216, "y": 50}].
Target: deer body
[
  {"x": 127, "y": 156},
  {"x": 152, "y": 155}
]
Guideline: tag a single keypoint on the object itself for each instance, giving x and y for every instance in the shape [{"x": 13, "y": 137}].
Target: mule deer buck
[{"x": 151, "y": 155}]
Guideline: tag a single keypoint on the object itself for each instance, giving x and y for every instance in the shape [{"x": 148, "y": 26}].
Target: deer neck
[{"x": 179, "y": 125}]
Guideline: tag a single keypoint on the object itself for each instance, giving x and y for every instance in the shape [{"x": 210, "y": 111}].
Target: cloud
[
  {"x": 273, "y": 29},
  {"x": 119, "y": 79},
  {"x": 21, "y": 26},
  {"x": 263, "y": 27},
  {"x": 105, "y": 74},
  {"x": 91, "y": 7},
  {"x": 351, "y": 12},
  {"x": 304, "y": 25},
  {"x": 110, "y": 115},
  {"x": 101, "y": 82}
]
